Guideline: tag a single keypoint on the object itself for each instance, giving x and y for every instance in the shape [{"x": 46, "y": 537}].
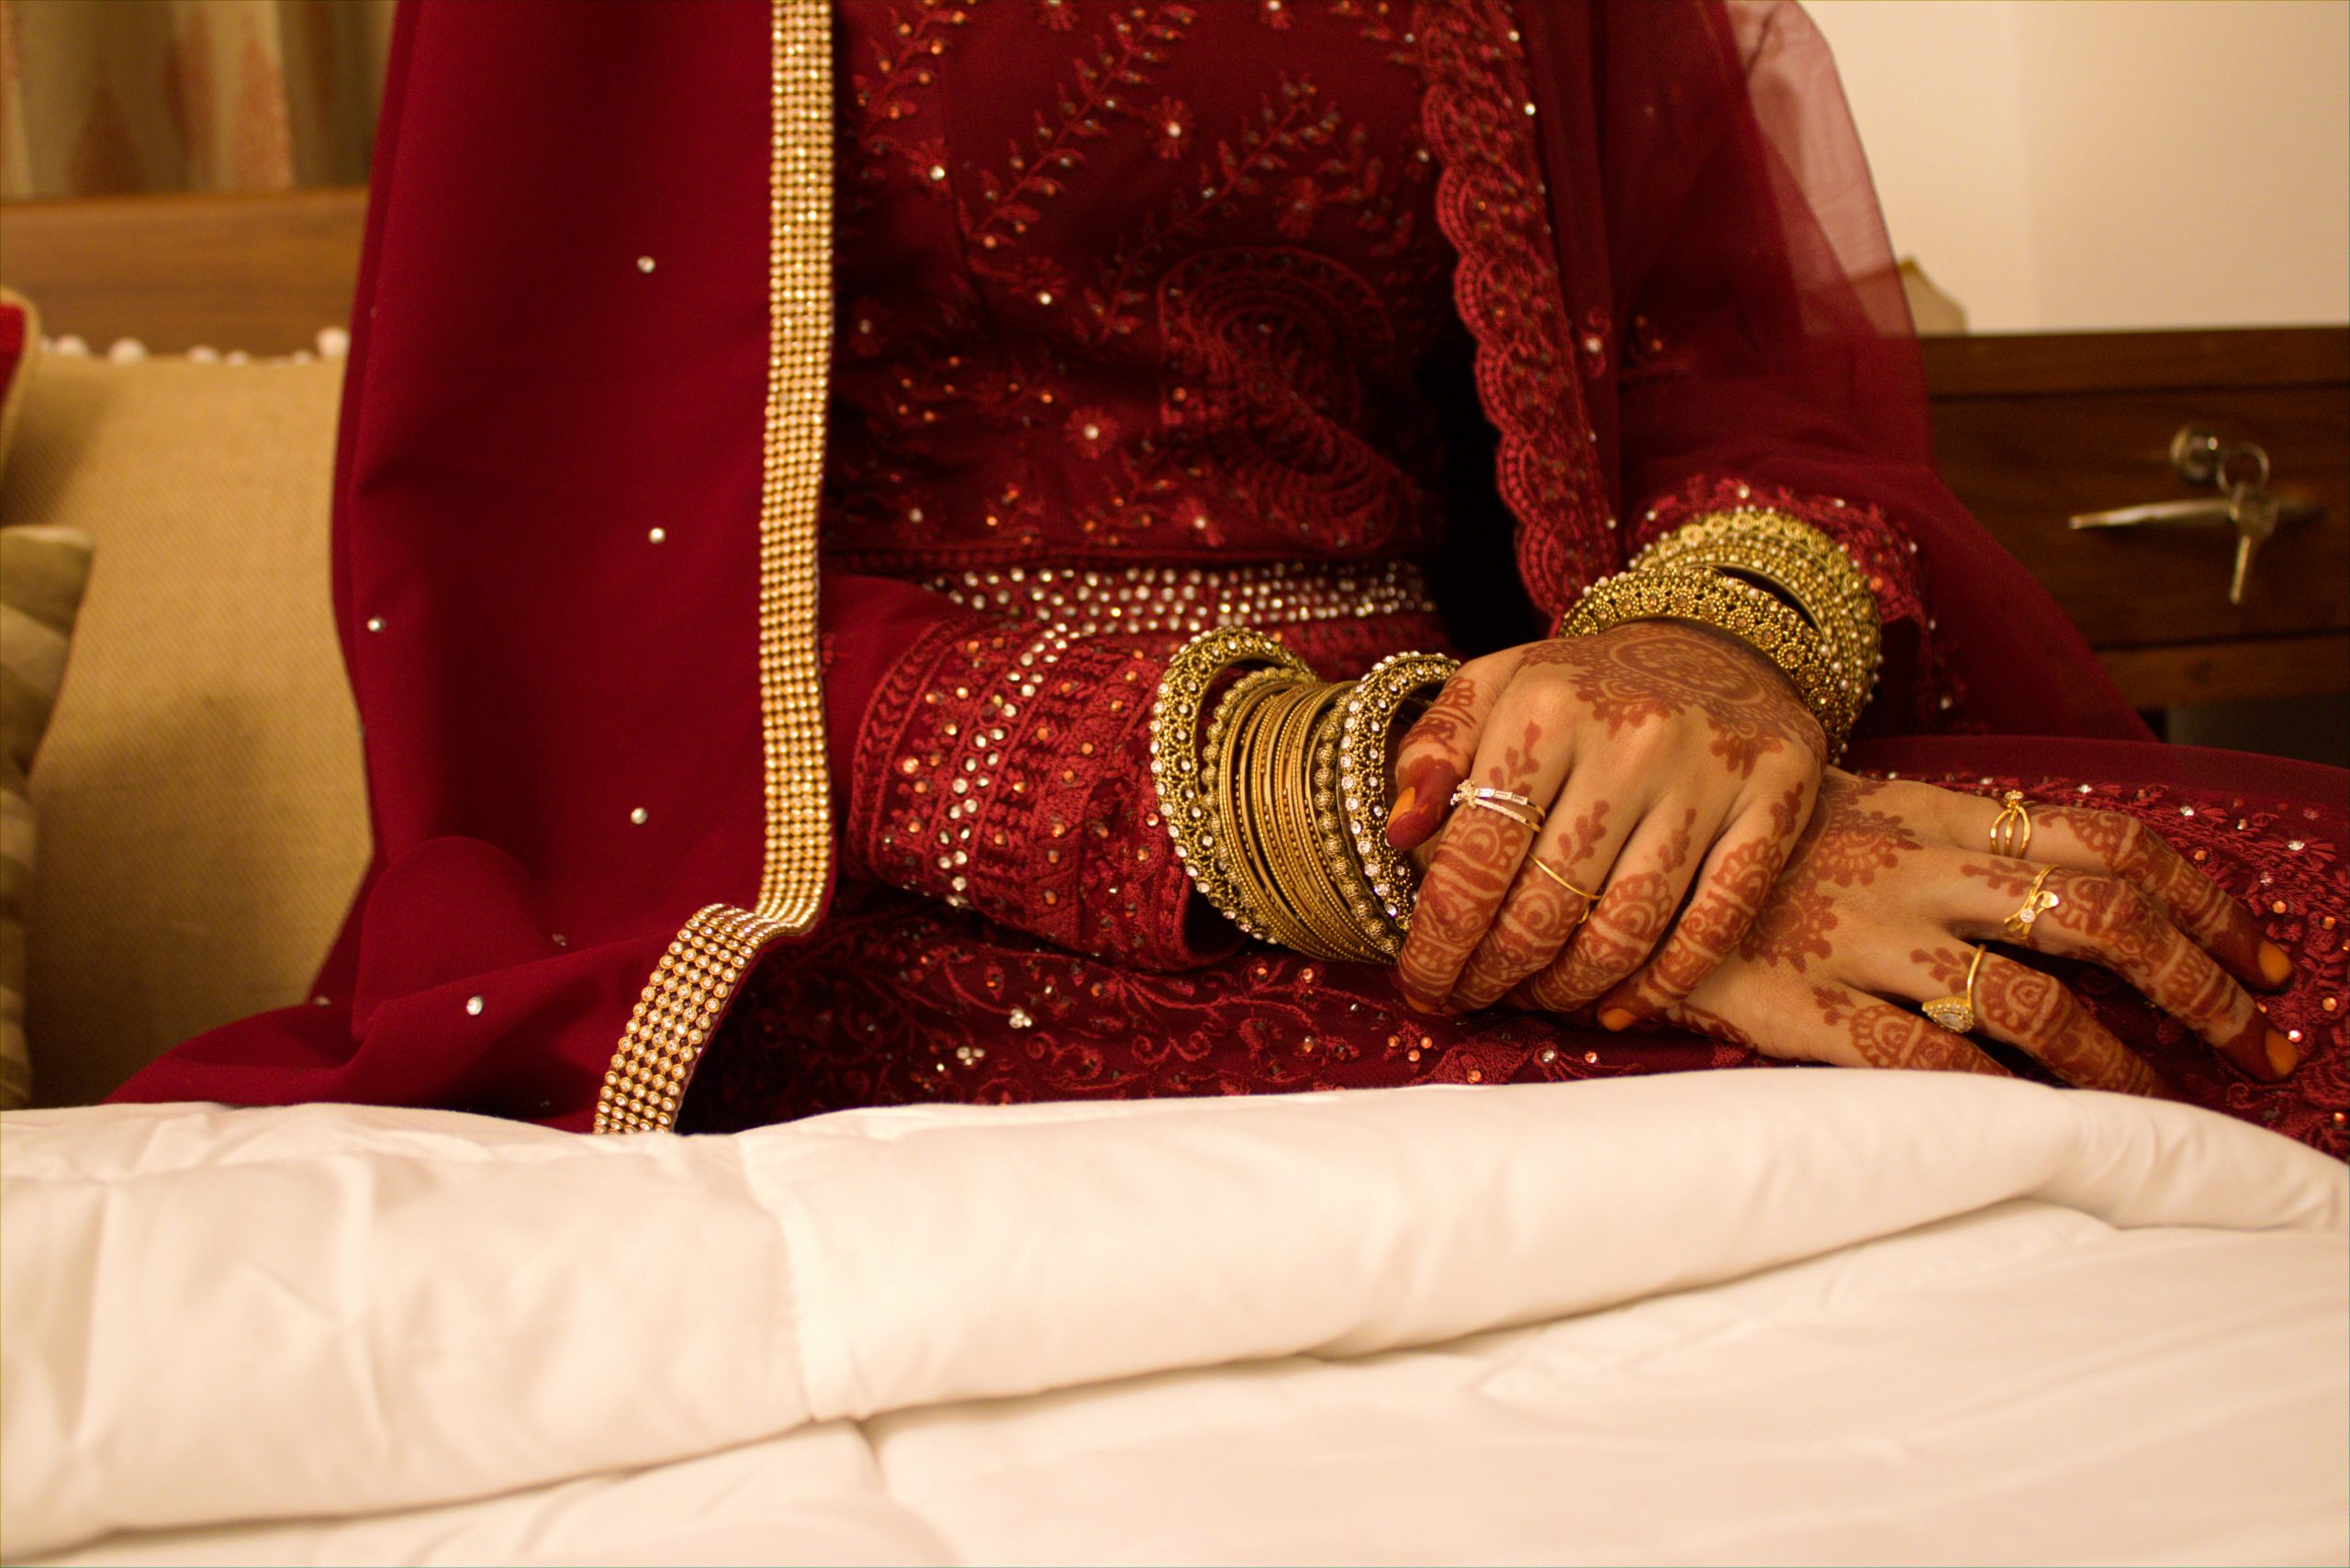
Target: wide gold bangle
[
  {"x": 1277, "y": 804},
  {"x": 1175, "y": 761},
  {"x": 1755, "y": 618},
  {"x": 1808, "y": 570}
]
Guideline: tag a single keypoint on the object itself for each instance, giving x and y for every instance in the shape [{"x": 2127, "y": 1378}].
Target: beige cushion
[
  {"x": 42, "y": 573},
  {"x": 201, "y": 809}
]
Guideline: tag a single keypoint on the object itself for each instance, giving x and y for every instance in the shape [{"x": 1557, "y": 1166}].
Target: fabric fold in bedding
[{"x": 217, "y": 1315}]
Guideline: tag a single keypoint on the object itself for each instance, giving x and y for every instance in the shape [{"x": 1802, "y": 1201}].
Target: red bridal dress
[{"x": 1380, "y": 325}]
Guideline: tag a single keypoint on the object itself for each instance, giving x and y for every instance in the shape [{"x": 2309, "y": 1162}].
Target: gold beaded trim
[
  {"x": 1084, "y": 600},
  {"x": 688, "y": 993}
]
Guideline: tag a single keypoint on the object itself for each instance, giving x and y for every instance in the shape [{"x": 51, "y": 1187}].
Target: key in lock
[{"x": 2240, "y": 471}]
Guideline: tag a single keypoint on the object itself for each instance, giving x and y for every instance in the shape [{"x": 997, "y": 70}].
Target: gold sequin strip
[
  {"x": 688, "y": 993},
  {"x": 1087, "y": 602}
]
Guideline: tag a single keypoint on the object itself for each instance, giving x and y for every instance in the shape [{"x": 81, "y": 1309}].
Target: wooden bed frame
[
  {"x": 258, "y": 273},
  {"x": 2028, "y": 428}
]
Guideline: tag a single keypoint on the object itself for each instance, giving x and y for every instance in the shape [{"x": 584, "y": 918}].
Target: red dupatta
[{"x": 565, "y": 564}]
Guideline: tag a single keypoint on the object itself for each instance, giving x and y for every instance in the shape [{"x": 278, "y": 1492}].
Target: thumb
[{"x": 1437, "y": 751}]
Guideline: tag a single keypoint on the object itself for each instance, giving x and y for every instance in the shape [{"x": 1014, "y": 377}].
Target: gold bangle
[
  {"x": 1379, "y": 936},
  {"x": 1812, "y": 572},
  {"x": 1314, "y": 893},
  {"x": 1745, "y": 611},
  {"x": 1273, "y": 719},
  {"x": 1371, "y": 712},
  {"x": 1220, "y": 768},
  {"x": 1175, "y": 761},
  {"x": 1278, "y": 805}
]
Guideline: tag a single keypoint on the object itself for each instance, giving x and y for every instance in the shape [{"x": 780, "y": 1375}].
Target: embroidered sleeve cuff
[{"x": 1006, "y": 769}]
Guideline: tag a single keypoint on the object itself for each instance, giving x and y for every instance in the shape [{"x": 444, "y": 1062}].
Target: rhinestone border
[{"x": 688, "y": 992}]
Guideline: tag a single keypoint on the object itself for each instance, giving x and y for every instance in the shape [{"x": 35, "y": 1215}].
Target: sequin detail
[{"x": 1191, "y": 599}]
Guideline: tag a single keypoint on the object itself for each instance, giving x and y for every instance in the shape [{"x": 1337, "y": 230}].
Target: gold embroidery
[{"x": 688, "y": 993}]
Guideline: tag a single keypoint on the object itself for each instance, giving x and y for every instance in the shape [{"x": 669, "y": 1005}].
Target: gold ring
[
  {"x": 1956, "y": 1014},
  {"x": 2037, "y": 902},
  {"x": 1590, "y": 901},
  {"x": 1506, "y": 802},
  {"x": 2012, "y": 829}
]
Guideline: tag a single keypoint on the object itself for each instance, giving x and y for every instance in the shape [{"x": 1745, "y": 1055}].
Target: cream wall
[{"x": 2110, "y": 163}]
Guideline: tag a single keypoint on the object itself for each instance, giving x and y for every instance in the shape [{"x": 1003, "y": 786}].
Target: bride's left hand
[
  {"x": 1893, "y": 888},
  {"x": 1631, "y": 763}
]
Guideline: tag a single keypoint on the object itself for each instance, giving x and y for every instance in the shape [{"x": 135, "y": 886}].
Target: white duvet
[{"x": 1791, "y": 1315}]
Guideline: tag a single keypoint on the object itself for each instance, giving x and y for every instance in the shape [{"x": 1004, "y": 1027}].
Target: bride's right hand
[{"x": 1886, "y": 893}]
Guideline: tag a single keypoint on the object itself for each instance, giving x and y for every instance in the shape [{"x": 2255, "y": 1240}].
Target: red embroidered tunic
[
  {"x": 1348, "y": 308},
  {"x": 1143, "y": 311}
]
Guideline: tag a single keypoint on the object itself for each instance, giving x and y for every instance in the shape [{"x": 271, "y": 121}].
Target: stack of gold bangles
[
  {"x": 1769, "y": 579},
  {"x": 1274, "y": 783},
  {"x": 1278, "y": 806}
]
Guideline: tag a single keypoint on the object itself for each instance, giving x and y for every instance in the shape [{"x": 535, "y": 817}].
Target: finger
[
  {"x": 2088, "y": 840},
  {"x": 1569, "y": 860},
  {"x": 2035, "y": 1012},
  {"x": 2104, "y": 918},
  {"x": 1732, "y": 888},
  {"x": 1632, "y": 913},
  {"x": 1524, "y": 749},
  {"x": 1837, "y": 1025},
  {"x": 1474, "y": 862},
  {"x": 1437, "y": 750}
]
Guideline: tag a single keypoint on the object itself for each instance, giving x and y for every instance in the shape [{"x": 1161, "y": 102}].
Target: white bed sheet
[{"x": 1726, "y": 1317}]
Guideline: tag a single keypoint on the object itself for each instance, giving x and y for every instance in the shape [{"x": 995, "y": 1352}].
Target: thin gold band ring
[{"x": 1587, "y": 898}]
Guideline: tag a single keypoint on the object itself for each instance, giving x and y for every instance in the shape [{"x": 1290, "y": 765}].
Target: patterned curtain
[{"x": 107, "y": 95}]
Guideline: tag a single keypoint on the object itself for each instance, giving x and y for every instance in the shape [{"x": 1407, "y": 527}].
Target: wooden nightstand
[{"x": 2032, "y": 430}]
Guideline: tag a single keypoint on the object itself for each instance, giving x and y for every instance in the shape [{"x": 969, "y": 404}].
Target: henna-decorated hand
[
  {"x": 1891, "y": 883},
  {"x": 1663, "y": 752}
]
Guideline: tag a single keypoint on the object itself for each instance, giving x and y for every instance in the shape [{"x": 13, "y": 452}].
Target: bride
[{"x": 916, "y": 549}]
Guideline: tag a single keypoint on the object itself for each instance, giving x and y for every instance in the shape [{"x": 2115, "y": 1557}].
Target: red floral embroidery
[
  {"x": 1489, "y": 202},
  {"x": 983, "y": 340}
]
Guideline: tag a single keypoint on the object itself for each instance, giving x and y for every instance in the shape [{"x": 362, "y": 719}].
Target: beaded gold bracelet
[
  {"x": 1381, "y": 936},
  {"x": 1755, "y": 618},
  {"x": 1369, "y": 716},
  {"x": 1808, "y": 569}
]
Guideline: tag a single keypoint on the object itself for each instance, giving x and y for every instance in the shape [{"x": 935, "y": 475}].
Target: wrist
[{"x": 1768, "y": 580}]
